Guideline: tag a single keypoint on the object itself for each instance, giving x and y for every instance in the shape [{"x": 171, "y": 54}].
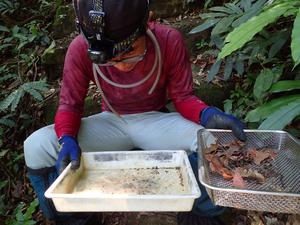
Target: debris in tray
[
  {"x": 138, "y": 181},
  {"x": 235, "y": 162}
]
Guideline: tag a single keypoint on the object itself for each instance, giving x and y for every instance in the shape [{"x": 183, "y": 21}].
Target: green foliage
[
  {"x": 45, "y": 5},
  {"x": 8, "y": 6},
  {"x": 214, "y": 70},
  {"x": 2, "y": 154},
  {"x": 21, "y": 42},
  {"x": 285, "y": 85},
  {"x": 252, "y": 38},
  {"x": 237, "y": 38},
  {"x": 207, "y": 3},
  {"x": 21, "y": 218},
  {"x": 242, "y": 38},
  {"x": 204, "y": 26},
  {"x": 12, "y": 100},
  {"x": 241, "y": 98},
  {"x": 275, "y": 113},
  {"x": 260, "y": 108},
  {"x": 3, "y": 184},
  {"x": 34, "y": 88},
  {"x": 264, "y": 111},
  {"x": 222, "y": 20},
  {"x": 242, "y": 34},
  {"x": 50, "y": 49},
  {"x": 6, "y": 74},
  {"x": 281, "y": 117},
  {"x": 23, "y": 39},
  {"x": 210, "y": 3},
  {"x": 264, "y": 81},
  {"x": 295, "y": 44}
]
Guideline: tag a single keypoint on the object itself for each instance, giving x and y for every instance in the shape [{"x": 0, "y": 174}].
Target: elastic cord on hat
[{"x": 157, "y": 60}]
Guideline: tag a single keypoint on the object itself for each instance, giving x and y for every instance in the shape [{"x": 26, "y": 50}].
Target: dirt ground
[{"x": 231, "y": 217}]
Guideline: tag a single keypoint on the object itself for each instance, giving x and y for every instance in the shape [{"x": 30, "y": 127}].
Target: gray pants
[{"x": 107, "y": 132}]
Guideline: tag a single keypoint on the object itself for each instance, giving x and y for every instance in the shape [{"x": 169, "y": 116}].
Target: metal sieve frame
[{"x": 222, "y": 193}]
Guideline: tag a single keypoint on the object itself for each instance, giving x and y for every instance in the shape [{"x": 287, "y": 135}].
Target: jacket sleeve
[
  {"x": 180, "y": 81},
  {"x": 74, "y": 88}
]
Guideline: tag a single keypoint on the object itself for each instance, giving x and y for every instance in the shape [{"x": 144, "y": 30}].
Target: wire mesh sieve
[{"x": 281, "y": 191}]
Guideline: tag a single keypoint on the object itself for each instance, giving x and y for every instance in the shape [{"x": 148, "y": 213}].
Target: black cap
[
  {"x": 110, "y": 26},
  {"x": 121, "y": 17}
]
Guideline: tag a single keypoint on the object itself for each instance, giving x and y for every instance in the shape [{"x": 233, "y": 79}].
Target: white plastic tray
[{"x": 127, "y": 181}]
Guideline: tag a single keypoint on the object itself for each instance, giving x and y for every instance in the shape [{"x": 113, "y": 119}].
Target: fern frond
[
  {"x": 12, "y": 100},
  {"x": 16, "y": 100},
  {"x": 7, "y": 77},
  {"x": 34, "y": 93},
  {"x": 35, "y": 88},
  {"x": 221, "y": 9},
  {"x": 37, "y": 85},
  {"x": 234, "y": 8},
  {"x": 7, "y": 122}
]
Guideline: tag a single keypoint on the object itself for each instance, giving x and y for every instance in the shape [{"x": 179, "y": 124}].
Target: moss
[
  {"x": 53, "y": 57},
  {"x": 64, "y": 21}
]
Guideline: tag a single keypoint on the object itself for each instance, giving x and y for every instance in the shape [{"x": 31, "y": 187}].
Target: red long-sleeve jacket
[{"x": 175, "y": 82}]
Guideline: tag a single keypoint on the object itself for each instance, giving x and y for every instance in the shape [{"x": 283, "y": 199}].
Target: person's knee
[{"x": 36, "y": 148}]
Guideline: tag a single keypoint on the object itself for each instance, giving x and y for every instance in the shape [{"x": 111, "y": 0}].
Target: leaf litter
[{"x": 233, "y": 161}]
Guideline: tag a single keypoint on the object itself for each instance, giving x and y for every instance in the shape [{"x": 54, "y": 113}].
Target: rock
[
  {"x": 185, "y": 25},
  {"x": 166, "y": 8},
  {"x": 213, "y": 94},
  {"x": 55, "y": 56},
  {"x": 52, "y": 61},
  {"x": 169, "y": 8},
  {"x": 64, "y": 21}
]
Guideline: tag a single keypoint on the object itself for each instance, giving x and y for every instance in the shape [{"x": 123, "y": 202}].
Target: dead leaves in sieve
[{"x": 235, "y": 162}]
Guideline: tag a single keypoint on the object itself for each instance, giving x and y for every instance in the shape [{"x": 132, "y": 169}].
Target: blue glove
[
  {"x": 213, "y": 118},
  {"x": 69, "y": 152}
]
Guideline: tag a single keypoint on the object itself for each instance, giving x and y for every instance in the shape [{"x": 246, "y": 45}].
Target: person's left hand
[{"x": 213, "y": 118}]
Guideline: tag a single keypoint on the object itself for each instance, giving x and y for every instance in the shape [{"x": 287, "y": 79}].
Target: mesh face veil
[{"x": 110, "y": 26}]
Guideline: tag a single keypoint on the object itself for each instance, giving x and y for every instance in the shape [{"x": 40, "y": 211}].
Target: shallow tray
[{"x": 127, "y": 181}]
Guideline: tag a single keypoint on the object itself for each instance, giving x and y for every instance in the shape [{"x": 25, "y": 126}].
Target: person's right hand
[
  {"x": 213, "y": 118},
  {"x": 69, "y": 152}
]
